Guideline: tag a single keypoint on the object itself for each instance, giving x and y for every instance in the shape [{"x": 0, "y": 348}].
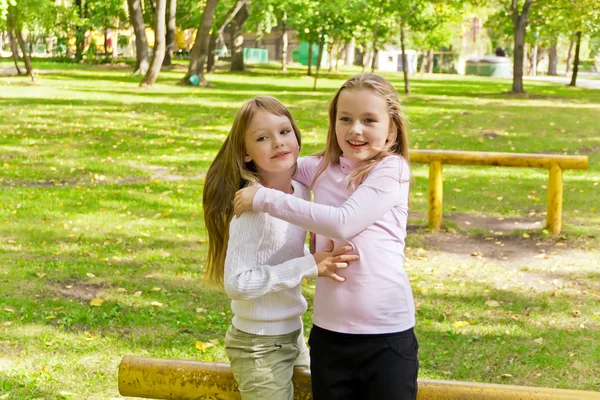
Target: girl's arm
[
  {"x": 386, "y": 186},
  {"x": 245, "y": 277},
  {"x": 306, "y": 169}
]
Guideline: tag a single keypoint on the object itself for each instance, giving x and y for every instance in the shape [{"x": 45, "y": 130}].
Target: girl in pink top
[{"x": 362, "y": 342}]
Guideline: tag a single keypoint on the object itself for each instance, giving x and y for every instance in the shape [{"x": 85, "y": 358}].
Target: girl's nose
[{"x": 356, "y": 128}]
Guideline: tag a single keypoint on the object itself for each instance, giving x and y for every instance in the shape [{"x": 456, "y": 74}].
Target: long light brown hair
[
  {"x": 227, "y": 174},
  {"x": 332, "y": 152}
]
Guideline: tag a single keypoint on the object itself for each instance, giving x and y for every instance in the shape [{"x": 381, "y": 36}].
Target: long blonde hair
[
  {"x": 227, "y": 174},
  {"x": 332, "y": 152}
]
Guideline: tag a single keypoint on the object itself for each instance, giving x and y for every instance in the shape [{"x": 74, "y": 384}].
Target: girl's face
[
  {"x": 271, "y": 143},
  {"x": 362, "y": 124}
]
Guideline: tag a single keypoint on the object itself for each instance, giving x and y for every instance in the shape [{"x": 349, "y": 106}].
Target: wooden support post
[
  {"x": 435, "y": 195},
  {"x": 555, "y": 196}
]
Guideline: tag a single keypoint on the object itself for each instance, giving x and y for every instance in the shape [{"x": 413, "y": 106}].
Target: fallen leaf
[
  {"x": 539, "y": 340},
  {"x": 6, "y": 323},
  {"x": 51, "y": 317},
  {"x": 45, "y": 368},
  {"x": 460, "y": 324},
  {"x": 200, "y": 346},
  {"x": 156, "y": 289},
  {"x": 576, "y": 313},
  {"x": 492, "y": 303},
  {"x": 214, "y": 341},
  {"x": 7, "y": 309},
  {"x": 138, "y": 293},
  {"x": 156, "y": 304},
  {"x": 559, "y": 244},
  {"x": 90, "y": 275},
  {"x": 96, "y": 302},
  {"x": 526, "y": 235},
  {"x": 506, "y": 376}
]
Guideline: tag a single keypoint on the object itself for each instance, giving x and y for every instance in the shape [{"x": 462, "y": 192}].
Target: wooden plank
[{"x": 193, "y": 380}]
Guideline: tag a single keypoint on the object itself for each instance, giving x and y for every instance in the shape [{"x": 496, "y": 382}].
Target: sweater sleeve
[
  {"x": 385, "y": 187},
  {"x": 246, "y": 277},
  {"x": 306, "y": 168}
]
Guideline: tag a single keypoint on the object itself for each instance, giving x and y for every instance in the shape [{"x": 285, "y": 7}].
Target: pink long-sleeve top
[{"x": 376, "y": 296}]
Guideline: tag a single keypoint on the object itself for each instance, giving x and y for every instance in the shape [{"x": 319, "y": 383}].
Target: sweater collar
[{"x": 346, "y": 164}]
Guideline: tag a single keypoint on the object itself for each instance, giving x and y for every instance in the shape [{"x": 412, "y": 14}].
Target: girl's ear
[{"x": 247, "y": 158}]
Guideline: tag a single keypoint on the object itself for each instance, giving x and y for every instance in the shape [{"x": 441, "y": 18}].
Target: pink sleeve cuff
[{"x": 259, "y": 199}]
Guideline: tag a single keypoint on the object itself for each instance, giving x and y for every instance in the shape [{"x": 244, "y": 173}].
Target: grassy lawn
[{"x": 102, "y": 241}]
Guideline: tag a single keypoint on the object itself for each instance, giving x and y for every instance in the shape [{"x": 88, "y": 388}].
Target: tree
[
  {"x": 218, "y": 29},
  {"x": 520, "y": 20},
  {"x": 171, "y": 29},
  {"x": 141, "y": 44},
  {"x": 158, "y": 53},
  {"x": 237, "y": 34},
  {"x": 200, "y": 49}
]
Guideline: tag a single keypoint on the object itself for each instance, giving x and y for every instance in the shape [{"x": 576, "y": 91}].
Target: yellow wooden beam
[
  {"x": 435, "y": 196},
  {"x": 499, "y": 159},
  {"x": 157, "y": 378},
  {"x": 555, "y": 200}
]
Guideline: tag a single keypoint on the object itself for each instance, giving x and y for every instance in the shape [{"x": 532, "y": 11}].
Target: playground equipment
[
  {"x": 157, "y": 378},
  {"x": 554, "y": 163}
]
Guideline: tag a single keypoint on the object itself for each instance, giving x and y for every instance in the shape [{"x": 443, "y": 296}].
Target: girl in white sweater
[{"x": 261, "y": 260}]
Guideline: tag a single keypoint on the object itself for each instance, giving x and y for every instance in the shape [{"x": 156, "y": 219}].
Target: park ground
[{"x": 102, "y": 240}]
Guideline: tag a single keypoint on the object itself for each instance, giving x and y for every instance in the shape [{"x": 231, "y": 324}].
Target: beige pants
[{"x": 263, "y": 365}]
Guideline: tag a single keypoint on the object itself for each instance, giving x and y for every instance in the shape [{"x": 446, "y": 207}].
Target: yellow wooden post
[
  {"x": 435, "y": 197},
  {"x": 555, "y": 196}
]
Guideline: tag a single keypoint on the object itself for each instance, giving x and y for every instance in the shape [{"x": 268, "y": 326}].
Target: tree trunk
[
  {"x": 350, "y": 52},
  {"x": 319, "y": 59},
  {"x": 553, "y": 60},
  {"x": 26, "y": 58},
  {"x": 375, "y": 51},
  {"x": 430, "y": 62},
  {"x": 141, "y": 44},
  {"x": 331, "y": 52},
  {"x": 212, "y": 52},
  {"x": 158, "y": 53},
  {"x": 79, "y": 32},
  {"x": 106, "y": 41},
  {"x": 171, "y": 28},
  {"x": 576, "y": 60},
  {"x": 200, "y": 48},
  {"x": 15, "y": 52},
  {"x": 423, "y": 62},
  {"x": 284, "y": 42},
  {"x": 520, "y": 28},
  {"x": 534, "y": 60},
  {"x": 404, "y": 58},
  {"x": 237, "y": 32},
  {"x": 310, "y": 57},
  {"x": 569, "y": 55}
]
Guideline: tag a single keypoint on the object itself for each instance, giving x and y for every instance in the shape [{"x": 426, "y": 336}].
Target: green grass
[{"x": 101, "y": 198}]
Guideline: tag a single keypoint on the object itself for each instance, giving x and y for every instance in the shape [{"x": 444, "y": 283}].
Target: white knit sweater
[{"x": 264, "y": 267}]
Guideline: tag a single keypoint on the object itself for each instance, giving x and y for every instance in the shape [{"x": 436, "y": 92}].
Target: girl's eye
[
  {"x": 285, "y": 132},
  {"x": 369, "y": 120},
  {"x": 261, "y": 139},
  {"x": 345, "y": 119}
]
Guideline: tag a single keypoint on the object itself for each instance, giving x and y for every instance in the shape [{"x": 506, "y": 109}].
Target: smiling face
[
  {"x": 271, "y": 144},
  {"x": 362, "y": 124}
]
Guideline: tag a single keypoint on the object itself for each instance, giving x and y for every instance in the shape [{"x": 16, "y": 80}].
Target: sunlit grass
[{"x": 101, "y": 199}]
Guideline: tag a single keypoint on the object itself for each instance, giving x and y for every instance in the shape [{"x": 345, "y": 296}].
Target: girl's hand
[
  {"x": 330, "y": 260},
  {"x": 243, "y": 200}
]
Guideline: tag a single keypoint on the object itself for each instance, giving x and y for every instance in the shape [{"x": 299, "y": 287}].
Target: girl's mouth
[
  {"x": 281, "y": 154},
  {"x": 356, "y": 144}
]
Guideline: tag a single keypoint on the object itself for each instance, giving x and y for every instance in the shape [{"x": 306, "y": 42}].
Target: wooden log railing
[
  {"x": 157, "y": 378},
  {"x": 554, "y": 163}
]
